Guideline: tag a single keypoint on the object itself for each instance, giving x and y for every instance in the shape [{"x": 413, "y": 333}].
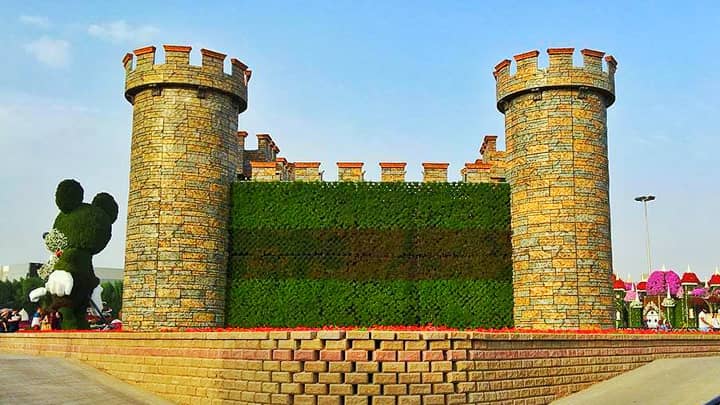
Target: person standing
[
  {"x": 46, "y": 321},
  {"x": 703, "y": 324},
  {"x": 13, "y": 323},
  {"x": 37, "y": 316}
]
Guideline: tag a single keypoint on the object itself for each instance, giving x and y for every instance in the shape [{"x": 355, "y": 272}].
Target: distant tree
[
  {"x": 112, "y": 295},
  {"x": 7, "y": 294},
  {"x": 14, "y": 294},
  {"x": 22, "y": 291}
]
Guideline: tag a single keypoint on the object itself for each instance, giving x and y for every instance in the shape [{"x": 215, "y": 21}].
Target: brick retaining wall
[{"x": 361, "y": 367}]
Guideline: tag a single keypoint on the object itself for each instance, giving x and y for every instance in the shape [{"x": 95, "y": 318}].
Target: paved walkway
[
  {"x": 49, "y": 380},
  {"x": 689, "y": 381}
]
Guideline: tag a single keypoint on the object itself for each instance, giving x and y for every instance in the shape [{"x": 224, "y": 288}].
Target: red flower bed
[{"x": 421, "y": 328}]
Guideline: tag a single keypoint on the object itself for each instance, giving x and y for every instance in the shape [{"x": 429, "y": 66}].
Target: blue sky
[{"x": 367, "y": 81}]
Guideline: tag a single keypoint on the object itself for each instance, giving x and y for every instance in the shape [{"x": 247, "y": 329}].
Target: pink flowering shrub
[
  {"x": 659, "y": 281},
  {"x": 630, "y": 296}
]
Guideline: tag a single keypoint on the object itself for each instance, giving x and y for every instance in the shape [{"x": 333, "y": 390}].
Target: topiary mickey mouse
[{"x": 80, "y": 231}]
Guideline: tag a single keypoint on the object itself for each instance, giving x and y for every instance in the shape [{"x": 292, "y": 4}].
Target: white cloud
[
  {"x": 38, "y": 21},
  {"x": 52, "y": 52},
  {"x": 120, "y": 31}
]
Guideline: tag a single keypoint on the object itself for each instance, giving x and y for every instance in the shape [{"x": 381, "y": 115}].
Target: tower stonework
[
  {"x": 557, "y": 167},
  {"x": 184, "y": 157}
]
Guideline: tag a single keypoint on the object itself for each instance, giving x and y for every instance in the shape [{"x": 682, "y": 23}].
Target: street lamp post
[{"x": 644, "y": 199}]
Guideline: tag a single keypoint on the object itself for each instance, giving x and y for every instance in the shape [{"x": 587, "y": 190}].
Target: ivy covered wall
[{"x": 321, "y": 253}]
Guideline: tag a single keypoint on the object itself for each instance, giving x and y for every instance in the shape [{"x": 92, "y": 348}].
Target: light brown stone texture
[
  {"x": 264, "y": 171},
  {"x": 396, "y": 367},
  {"x": 556, "y": 138},
  {"x": 478, "y": 172},
  {"x": 392, "y": 171},
  {"x": 307, "y": 171},
  {"x": 435, "y": 172},
  {"x": 350, "y": 171},
  {"x": 184, "y": 157},
  {"x": 491, "y": 168},
  {"x": 266, "y": 152}
]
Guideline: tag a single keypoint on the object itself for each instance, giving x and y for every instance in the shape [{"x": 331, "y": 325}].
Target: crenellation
[
  {"x": 239, "y": 69},
  {"x": 264, "y": 171},
  {"x": 527, "y": 62},
  {"x": 478, "y": 172},
  {"x": 307, "y": 171},
  {"x": 435, "y": 172},
  {"x": 350, "y": 171},
  {"x": 502, "y": 69},
  {"x": 213, "y": 61},
  {"x": 612, "y": 63},
  {"x": 264, "y": 141},
  {"x": 145, "y": 58},
  {"x": 560, "y": 73},
  {"x": 560, "y": 58},
  {"x": 177, "y": 72},
  {"x": 491, "y": 168},
  {"x": 177, "y": 55},
  {"x": 127, "y": 62},
  {"x": 592, "y": 60},
  {"x": 392, "y": 171}
]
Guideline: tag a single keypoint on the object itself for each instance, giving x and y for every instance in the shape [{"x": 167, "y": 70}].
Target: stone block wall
[
  {"x": 184, "y": 156},
  {"x": 478, "y": 172},
  {"x": 495, "y": 158},
  {"x": 307, "y": 171},
  {"x": 556, "y": 139},
  {"x": 350, "y": 171},
  {"x": 264, "y": 171},
  {"x": 435, "y": 172},
  {"x": 392, "y": 171},
  {"x": 490, "y": 168},
  {"x": 267, "y": 151},
  {"x": 361, "y": 367}
]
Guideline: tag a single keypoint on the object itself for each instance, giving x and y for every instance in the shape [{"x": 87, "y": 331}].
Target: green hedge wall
[{"x": 314, "y": 254}]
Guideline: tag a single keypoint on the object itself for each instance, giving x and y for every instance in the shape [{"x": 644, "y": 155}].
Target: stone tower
[
  {"x": 556, "y": 136},
  {"x": 183, "y": 159}
]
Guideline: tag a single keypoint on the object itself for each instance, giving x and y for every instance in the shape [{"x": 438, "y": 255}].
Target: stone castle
[{"x": 186, "y": 151}]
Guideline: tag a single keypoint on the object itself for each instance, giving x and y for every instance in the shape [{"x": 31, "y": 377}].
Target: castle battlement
[
  {"x": 142, "y": 72},
  {"x": 263, "y": 164},
  {"x": 561, "y": 73}
]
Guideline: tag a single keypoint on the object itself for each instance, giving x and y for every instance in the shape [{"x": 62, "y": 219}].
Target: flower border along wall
[{"x": 314, "y": 254}]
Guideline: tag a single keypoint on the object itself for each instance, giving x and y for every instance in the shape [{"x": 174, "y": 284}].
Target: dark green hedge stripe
[
  {"x": 368, "y": 268},
  {"x": 369, "y": 242}
]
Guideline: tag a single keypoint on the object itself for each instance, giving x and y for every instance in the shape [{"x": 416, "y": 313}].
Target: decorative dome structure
[
  {"x": 690, "y": 279},
  {"x": 715, "y": 279}
]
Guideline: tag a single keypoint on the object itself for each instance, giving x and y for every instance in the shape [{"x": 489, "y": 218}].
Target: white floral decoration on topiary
[{"x": 55, "y": 241}]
